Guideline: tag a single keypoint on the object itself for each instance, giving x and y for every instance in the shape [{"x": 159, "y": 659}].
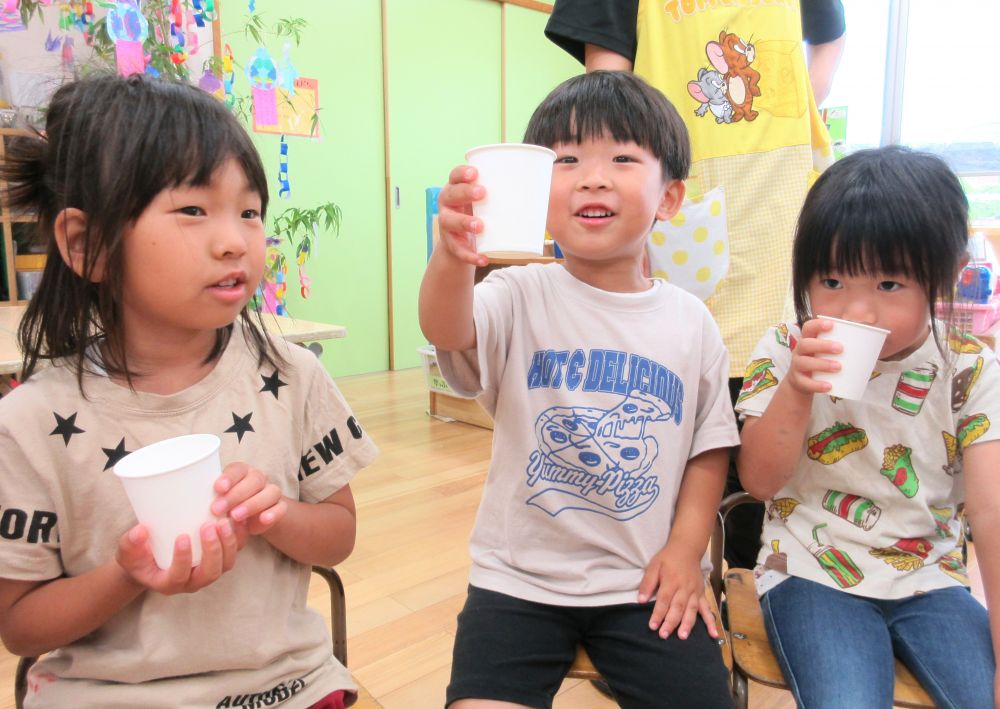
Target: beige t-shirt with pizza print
[
  {"x": 876, "y": 505},
  {"x": 600, "y": 399}
]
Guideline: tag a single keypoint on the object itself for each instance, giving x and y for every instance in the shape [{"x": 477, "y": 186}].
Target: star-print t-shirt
[
  {"x": 247, "y": 637},
  {"x": 600, "y": 399},
  {"x": 876, "y": 504}
]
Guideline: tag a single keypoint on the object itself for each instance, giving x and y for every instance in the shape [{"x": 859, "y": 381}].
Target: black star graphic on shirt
[
  {"x": 67, "y": 427},
  {"x": 273, "y": 383},
  {"x": 241, "y": 424},
  {"x": 115, "y": 454}
]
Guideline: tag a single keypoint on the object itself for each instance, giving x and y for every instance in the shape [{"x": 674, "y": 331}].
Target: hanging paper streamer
[
  {"x": 252, "y": 6},
  {"x": 199, "y": 16},
  {"x": 263, "y": 75},
  {"x": 228, "y": 75},
  {"x": 192, "y": 33},
  {"x": 180, "y": 54},
  {"x": 209, "y": 13},
  {"x": 128, "y": 29},
  {"x": 305, "y": 282},
  {"x": 67, "y": 59},
  {"x": 301, "y": 255},
  {"x": 285, "y": 189},
  {"x": 288, "y": 75},
  {"x": 275, "y": 274}
]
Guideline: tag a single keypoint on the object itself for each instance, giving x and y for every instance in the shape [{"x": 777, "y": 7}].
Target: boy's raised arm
[{"x": 446, "y": 291}]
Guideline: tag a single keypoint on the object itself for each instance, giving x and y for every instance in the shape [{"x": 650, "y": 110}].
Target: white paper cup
[
  {"x": 170, "y": 486},
  {"x": 517, "y": 178},
  {"x": 862, "y": 344}
]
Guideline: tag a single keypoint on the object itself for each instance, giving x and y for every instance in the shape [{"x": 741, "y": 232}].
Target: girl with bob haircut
[
  {"x": 151, "y": 200},
  {"x": 862, "y": 557}
]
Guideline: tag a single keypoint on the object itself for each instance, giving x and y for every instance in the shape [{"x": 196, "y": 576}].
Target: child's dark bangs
[
  {"x": 858, "y": 253},
  {"x": 591, "y": 114},
  {"x": 864, "y": 230},
  {"x": 188, "y": 152}
]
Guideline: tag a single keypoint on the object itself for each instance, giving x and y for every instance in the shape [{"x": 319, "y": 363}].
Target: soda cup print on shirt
[
  {"x": 912, "y": 388},
  {"x": 859, "y": 511},
  {"x": 841, "y": 568}
]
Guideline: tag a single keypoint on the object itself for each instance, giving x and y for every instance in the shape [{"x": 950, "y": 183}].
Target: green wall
[
  {"x": 444, "y": 97},
  {"x": 341, "y": 47},
  {"x": 535, "y": 66}
]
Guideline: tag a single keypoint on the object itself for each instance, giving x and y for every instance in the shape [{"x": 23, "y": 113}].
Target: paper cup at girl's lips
[
  {"x": 170, "y": 485},
  {"x": 862, "y": 344},
  {"x": 517, "y": 179}
]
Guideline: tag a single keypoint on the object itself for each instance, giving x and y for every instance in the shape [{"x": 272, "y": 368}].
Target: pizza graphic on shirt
[
  {"x": 598, "y": 457},
  {"x": 566, "y": 435},
  {"x": 599, "y": 440}
]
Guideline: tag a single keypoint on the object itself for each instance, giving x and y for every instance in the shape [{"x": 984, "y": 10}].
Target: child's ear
[
  {"x": 673, "y": 197},
  {"x": 71, "y": 232}
]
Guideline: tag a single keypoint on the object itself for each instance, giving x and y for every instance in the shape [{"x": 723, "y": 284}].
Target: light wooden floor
[{"x": 407, "y": 577}]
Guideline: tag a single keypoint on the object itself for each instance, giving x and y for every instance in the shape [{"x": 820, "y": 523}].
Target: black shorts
[{"x": 512, "y": 650}]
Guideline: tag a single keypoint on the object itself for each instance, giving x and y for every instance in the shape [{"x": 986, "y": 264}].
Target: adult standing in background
[{"x": 738, "y": 74}]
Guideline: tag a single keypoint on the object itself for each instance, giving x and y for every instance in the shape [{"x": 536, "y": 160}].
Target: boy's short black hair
[
  {"x": 888, "y": 210},
  {"x": 615, "y": 103}
]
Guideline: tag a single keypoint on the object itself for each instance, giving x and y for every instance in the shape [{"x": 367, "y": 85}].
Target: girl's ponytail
[{"x": 25, "y": 170}]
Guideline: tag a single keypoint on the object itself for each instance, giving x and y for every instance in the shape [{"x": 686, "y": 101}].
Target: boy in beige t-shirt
[{"x": 612, "y": 420}]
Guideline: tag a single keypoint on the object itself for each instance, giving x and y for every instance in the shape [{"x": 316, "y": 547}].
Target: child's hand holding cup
[
  {"x": 171, "y": 487},
  {"x": 861, "y": 347},
  {"x": 517, "y": 178}
]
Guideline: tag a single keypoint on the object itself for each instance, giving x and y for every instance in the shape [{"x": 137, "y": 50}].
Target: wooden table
[{"x": 292, "y": 329}]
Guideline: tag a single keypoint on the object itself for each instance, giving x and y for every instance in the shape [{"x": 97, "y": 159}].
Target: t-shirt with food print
[{"x": 876, "y": 505}]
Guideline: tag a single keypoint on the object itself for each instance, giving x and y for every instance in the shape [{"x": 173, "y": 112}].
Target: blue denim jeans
[{"x": 836, "y": 649}]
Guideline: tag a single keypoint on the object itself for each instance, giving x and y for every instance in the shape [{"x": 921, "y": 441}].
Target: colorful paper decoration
[
  {"x": 288, "y": 74},
  {"x": 275, "y": 273},
  {"x": 285, "y": 189},
  {"x": 128, "y": 29},
  {"x": 301, "y": 256},
  {"x": 228, "y": 76},
  {"x": 262, "y": 73},
  {"x": 10, "y": 17},
  {"x": 199, "y": 17},
  {"x": 193, "y": 45},
  {"x": 210, "y": 83},
  {"x": 180, "y": 54},
  {"x": 296, "y": 112},
  {"x": 77, "y": 15}
]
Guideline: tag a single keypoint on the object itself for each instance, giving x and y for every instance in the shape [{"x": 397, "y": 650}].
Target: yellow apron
[{"x": 735, "y": 70}]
